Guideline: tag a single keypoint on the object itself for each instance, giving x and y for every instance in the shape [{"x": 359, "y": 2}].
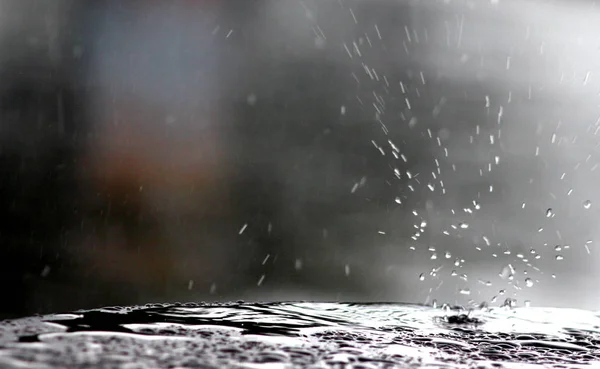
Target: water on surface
[{"x": 302, "y": 335}]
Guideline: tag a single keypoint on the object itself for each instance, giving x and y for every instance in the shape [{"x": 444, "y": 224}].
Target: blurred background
[{"x": 365, "y": 150}]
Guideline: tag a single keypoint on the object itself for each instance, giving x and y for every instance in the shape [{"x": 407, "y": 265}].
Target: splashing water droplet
[
  {"x": 549, "y": 213},
  {"x": 587, "y": 204},
  {"x": 465, "y": 291},
  {"x": 559, "y": 257},
  {"x": 528, "y": 282},
  {"x": 464, "y": 225},
  {"x": 421, "y": 277},
  {"x": 509, "y": 303}
]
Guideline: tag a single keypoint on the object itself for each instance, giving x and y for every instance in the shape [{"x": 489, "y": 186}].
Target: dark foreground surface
[{"x": 302, "y": 335}]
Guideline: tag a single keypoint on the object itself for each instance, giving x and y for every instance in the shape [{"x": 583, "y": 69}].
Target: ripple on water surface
[{"x": 302, "y": 335}]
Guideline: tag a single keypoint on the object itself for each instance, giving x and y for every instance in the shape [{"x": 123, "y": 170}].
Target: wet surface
[{"x": 303, "y": 335}]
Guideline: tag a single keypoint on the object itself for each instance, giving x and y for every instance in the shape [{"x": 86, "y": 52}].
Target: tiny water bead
[
  {"x": 587, "y": 204},
  {"x": 528, "y": 282},
  {"x": 304, "y": 335},
  {"x": 549, "y": 213},
  {"x": 465, "y": 291}
]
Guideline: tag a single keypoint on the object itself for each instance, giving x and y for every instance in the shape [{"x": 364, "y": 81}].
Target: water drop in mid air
[
  {"x": 528, "y": 282},
  {"x": 587, "y": 204}
]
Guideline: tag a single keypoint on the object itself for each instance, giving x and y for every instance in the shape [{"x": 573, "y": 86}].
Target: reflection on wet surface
[{"x": 299, "y": 335}]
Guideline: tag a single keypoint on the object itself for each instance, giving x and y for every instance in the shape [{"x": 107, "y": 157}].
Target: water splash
[{"x": 302, "y": 335}]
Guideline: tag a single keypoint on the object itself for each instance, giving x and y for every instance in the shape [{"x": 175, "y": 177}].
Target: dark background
[{"x": 283, "y": 149}]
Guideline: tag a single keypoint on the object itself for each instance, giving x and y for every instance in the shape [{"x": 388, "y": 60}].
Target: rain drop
[
  {"x": 528, "y": 282},
  {"x": 549, "y": 213},
  {"x": 509, "y": 303},
  {"x": 587, "y": 204},
  {"x": 559, "y": 257}
]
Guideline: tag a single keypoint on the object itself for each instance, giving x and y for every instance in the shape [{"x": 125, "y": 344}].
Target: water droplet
[
  {"x": 557, "y": 248},
  {"x": 454, "y": 273},
  {"x": 559, "y": 257},
  {"x": 448, "y": 255},
  {"x": 464, "y": 225},
  {"x": 587, "y": 204},
  {"x": 421, "y": 277},
  {"x": 502, "y": 292},
  {"x": 509, "y": 303},
  {"x": 465, "y": 291},
  {"x": 433, "y": 256},
  {"x": 507, "y": 272},
  {"x": 549, "y": 213},
  {"x": 528, "y": 282}
]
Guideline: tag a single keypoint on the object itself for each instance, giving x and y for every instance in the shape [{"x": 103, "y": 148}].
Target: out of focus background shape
[{"x": 364, "y": 150}]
